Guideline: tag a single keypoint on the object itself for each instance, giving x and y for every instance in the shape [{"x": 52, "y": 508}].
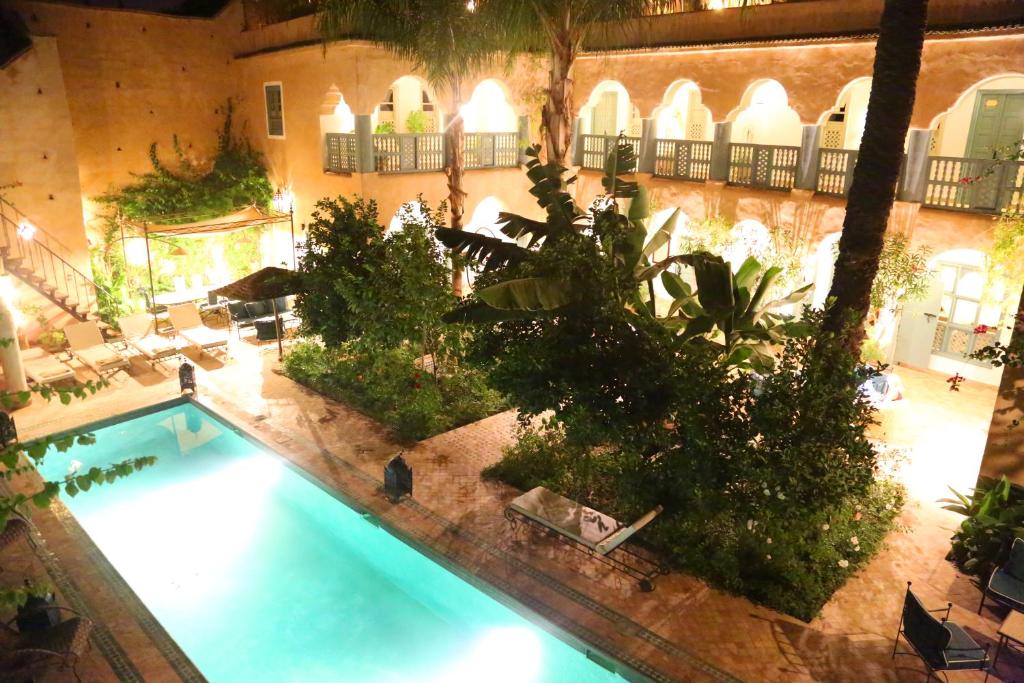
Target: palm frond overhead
[
  {"x": 443, "y": 39},
  {"x": 490, "y": 252}
]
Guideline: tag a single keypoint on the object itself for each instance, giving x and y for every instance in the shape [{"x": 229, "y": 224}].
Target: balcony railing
[
  {"x": 408, "y": 152},
  {"x": 683, "y": 159},
  {"x": 596, "y": 149},
  {"x": 770, "y": 167},
  {"x": 341, "y": 153},
  {"x": 980, "y": 185},
  {"x": 491, "y": 150},
  {"x": 835, "y": 171}
]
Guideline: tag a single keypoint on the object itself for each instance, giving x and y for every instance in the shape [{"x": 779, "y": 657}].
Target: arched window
[
  {"x": 609, "y": 111},
  {"x": 843, "y": 125},
  {"x": 682, "y": 116},
  {"x": 488, "y": 110},
  {"x": 765, "y": 117},
  {"x": 407, "y": 107}
]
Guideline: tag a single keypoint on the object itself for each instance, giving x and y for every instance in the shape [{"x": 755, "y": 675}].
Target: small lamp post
[{"x": 397, "y": 479}]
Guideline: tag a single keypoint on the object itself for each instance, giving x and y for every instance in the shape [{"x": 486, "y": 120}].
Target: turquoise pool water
[{"x": 260, "y": 575}]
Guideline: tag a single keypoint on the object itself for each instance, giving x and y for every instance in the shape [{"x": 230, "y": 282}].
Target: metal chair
[
  {"x": 26, "y": 656},
  {"x": 1006, "y": 584},
  {"x": 939, "y": 643}
]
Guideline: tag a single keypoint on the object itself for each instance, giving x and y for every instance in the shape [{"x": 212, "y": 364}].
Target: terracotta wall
[
  {"x": 812, "y": 73},
  {"x": 363, "y": 75},
  {"x": 133, "y": 78},
  {"x": 37, "y": 150},
  {"x": 795, "y": 20}
]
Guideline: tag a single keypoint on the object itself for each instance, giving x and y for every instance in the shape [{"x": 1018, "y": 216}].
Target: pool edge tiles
[{"x": 424, "y": 551}]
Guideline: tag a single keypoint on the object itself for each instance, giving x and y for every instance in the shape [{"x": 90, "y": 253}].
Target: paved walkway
[{"x": 684, "y": 631}]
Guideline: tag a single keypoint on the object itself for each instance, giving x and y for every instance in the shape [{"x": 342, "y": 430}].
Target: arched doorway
[
  {"x": 764, "y": 116},
  {"x": 682, "y": 115},
  {"x": 959, "y": 315}
]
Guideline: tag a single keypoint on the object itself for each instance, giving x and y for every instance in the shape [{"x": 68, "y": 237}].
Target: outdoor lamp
[
  {"x": 283, "y": 201},
  {"x": 187, "y": 378},
  {"x": 26, "y": 229}
]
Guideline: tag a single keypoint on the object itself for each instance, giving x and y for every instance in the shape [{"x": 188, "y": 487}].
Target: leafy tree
[
  {"x": 727, "y": 311},
  {"x": 558, "y": 27},
  {"x": 444, "y": 40},
  {"x": 893, "y": 89},
  {"x": 340, "y": 242}
]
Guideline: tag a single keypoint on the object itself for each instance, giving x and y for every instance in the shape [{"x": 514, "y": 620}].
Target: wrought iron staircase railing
[{"x": 31, "y": 254}]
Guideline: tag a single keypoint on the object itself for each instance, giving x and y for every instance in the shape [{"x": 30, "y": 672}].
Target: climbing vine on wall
[{"x": 194, "y": 190}]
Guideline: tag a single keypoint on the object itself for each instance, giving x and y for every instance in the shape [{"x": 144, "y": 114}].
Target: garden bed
[
  {"x": 390, "y": 387},
  {"x": 794, "y": 568}
]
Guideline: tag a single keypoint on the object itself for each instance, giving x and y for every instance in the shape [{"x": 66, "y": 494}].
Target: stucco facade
[{"x": 99, "y": 86}]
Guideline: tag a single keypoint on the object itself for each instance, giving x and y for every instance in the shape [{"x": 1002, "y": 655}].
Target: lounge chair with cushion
[
  {"x": 43, "y": 368},
  {"x": 190, "y": 327},
  {"x": 1006, "y": 584},
  {"x": 87, "y": 345},
  {"x": 941, "y": 644},
  {"x": 33, "y": 655},
  {"x": 586, "y": 530},
  {"x": 138, "y": 333}
]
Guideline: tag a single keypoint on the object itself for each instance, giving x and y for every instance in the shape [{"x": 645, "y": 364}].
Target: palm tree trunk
[
  {"x": 893, "y": 87},
  {"x": 557, "y": 112},
  {"x": 455, "y": 171}
]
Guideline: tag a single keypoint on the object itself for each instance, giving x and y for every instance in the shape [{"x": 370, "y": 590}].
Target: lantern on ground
[
  {"x": 187, "y": 378},
  {"x": 397, "y": 479}
]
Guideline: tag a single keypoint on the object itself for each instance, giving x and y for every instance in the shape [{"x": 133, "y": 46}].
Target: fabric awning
[{"x": 266, "y": 283}]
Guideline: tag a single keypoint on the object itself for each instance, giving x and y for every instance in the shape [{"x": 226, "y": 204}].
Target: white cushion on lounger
[
  {"x": 101, "y": 358},
  {"x": 42, "y": 368}
]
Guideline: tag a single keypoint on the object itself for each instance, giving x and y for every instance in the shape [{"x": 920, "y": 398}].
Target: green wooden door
[
  {"x": 605, "y": 115},
  {"x": 998, "y": 123}
]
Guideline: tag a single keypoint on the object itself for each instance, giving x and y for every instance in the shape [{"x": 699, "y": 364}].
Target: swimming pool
[{"x": 259, "y": 574}]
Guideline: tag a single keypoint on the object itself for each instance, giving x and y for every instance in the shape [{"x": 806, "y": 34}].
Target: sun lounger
[
  {"x": 86, "y": 344},
  {"x": 138, "y": 333},
  {"x": 42, "y": 368},
  {"x": 587, "y": 530},
  {"x": 190, "y": 327}
]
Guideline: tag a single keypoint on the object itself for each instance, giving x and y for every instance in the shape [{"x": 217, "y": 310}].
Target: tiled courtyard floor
[{"x": 683, "y": 631}]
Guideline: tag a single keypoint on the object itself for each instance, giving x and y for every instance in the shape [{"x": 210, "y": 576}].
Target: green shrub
[
  {"x": 792, "y": 562},
  {"x": 387, "y": 386},
  {"x": 416, "y": 122},
  {"x": 994, "y": 517}
]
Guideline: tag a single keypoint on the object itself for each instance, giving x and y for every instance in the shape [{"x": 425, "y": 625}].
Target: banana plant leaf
[{"x": 527, "y": 294}]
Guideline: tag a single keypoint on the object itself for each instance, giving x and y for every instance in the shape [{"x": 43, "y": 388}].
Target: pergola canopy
[{"x": 240, "y": 219}]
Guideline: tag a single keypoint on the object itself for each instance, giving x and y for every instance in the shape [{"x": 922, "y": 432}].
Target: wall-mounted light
[
  {"x": 283, "y": 201},
  {"x": 26, "y": 230}
]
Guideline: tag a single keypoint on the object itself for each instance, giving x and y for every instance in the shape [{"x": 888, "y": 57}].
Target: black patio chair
[
  {"x": 940, "y": 644},
  {"x": 239, "y": 316},
  {"x": 37, "y": 653},
  {"x": 1006, "y": 583}
]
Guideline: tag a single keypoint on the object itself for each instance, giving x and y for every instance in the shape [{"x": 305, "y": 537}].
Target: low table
[{"x": 1011, "y": 630}]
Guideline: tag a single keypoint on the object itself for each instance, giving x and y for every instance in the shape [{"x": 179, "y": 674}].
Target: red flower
[
  {"x": 418, "y": 385},
  {"x": 955, "y": 381},
  {"x": 981, "y": 329}
]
